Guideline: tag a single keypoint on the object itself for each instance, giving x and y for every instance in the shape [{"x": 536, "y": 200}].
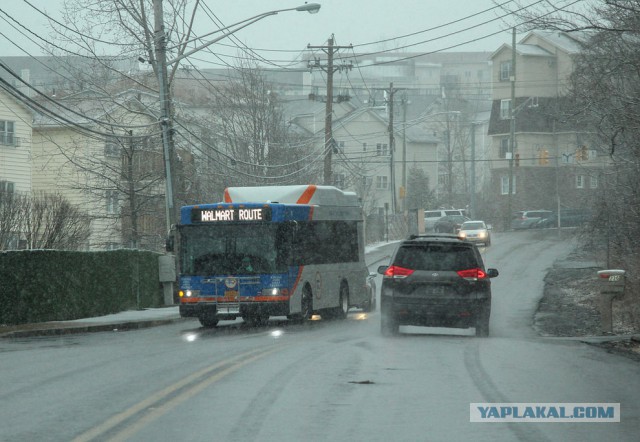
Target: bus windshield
[{"x": 234, "y": 249}]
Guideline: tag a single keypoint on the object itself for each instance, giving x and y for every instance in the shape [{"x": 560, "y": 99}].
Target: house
[
  {"x": 554, "y": 160},
  {"x": 15, "y": 154},
  {"x": 15, "y": 143},
  {"x": 465, "y": 74},
  {"x": 104, "y": 154},
  {"x": 362, "y": 158}
]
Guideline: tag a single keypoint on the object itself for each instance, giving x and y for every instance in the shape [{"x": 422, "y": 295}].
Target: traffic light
[
  {"x": 517, "y": 159},
  {"x": 581, "y": 153},
  {"x": 543, "y": 160}
]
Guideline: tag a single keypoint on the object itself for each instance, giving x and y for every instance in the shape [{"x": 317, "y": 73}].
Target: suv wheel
[
  {"x": 389, "y": 325},
  {"x": 482, "y": 324}
]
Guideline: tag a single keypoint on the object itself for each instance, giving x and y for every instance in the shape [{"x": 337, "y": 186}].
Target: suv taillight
[
  {"x": 472, "y": 274},
  {"x": 397, "y": 272}
]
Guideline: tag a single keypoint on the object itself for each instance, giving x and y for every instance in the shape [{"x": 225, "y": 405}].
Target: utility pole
[
  {"x": 165, "y": 102},
  {"x": 392, "y": 147},
  {"x": 405, "y": 101},
  {"x": 512, "y": 136},
  {"x": 473, "y": 171},
  {"x": 329, "y": 49}
]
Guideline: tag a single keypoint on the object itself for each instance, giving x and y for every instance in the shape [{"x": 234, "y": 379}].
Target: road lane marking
[{"x": 152, "y": 407}]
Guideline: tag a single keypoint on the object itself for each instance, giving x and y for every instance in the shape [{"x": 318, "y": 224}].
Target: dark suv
[{"x": 436, "y": 281}]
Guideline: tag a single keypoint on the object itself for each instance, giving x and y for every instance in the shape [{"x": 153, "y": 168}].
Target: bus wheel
[
  {"x": 307, "y": 304},
  {"x": 343, "y": 307},
  {"x": 208, "y": 321}
]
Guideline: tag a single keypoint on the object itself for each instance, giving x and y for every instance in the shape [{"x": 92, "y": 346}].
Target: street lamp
[{"x": 161, "y": 59}]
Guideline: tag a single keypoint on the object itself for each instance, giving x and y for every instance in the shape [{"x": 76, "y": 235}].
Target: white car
[{"x": 476, "y": 231}]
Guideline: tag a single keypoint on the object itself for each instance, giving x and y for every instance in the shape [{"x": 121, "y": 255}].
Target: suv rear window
[
  {"x": 452, "y": 212},
  {"x": 440, "y": 257}
]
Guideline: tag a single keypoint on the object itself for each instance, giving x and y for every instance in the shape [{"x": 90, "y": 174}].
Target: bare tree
[
  {"x": 125, "y": 182},
  {"x": 11, "y": 213},
  {"x": 51, "y": 222},
  {"x": 41, "y": 221},
  {"x": 248, "y": 142},
  {"x": 244, "y": 139}
]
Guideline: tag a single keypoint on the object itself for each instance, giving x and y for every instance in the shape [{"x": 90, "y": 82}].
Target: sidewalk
[{"x": 127, "y": 320}]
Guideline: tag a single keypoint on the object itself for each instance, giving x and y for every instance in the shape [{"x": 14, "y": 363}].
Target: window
[
  {"x": 322, "y": 242},
  {"x": 504, "y": 185},
  {"x": 7, "y": 186},
  {"x": 505, "y": 109},
  {"x": 7, "y": 133},
  {"x": 504, "y": 147},
  {"x": 112, "y": 148},
  {"x": 381, "y": 149},
  {"x": 505, "y": 70},
  {"x": 381, "y": 182},
  {"x": 579, "y": 181},
  {"x": 112, "y": 202},
  {"x": 593, "y": 182}
]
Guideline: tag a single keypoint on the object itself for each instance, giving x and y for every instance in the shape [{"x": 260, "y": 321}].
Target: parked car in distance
[
  {"x": 568, "y": 218},
  {"x": 436, "y": 281},
  {"x": 525, "y": 219},
  {"x": 449, "y": 224},
  {"x": 431, "y": 216},
  {"x": 476, "y": 231}
]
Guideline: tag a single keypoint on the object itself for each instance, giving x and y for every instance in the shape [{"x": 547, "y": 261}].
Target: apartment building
[{"x": 541, "y": 154}]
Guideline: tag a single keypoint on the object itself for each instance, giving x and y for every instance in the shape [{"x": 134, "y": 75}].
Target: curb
[{"x": 53, "y": 329}]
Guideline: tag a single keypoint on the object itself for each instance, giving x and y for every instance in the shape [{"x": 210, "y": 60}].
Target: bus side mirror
[{"x": 169, "y": 243}]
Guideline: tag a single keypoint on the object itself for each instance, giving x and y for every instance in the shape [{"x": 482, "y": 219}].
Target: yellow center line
[{"x": 237, "y": 362}]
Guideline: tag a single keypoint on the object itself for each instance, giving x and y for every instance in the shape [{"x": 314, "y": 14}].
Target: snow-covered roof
[{"x": 570, "y": 43}]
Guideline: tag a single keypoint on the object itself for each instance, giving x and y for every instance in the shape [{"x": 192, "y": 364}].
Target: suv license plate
[{"x": 436, "y": 290}]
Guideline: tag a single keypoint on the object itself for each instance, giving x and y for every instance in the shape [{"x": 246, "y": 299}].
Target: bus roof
[{"x": 300, "y": 194}]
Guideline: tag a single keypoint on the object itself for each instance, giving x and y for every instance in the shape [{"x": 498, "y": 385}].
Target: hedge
[{"x": 51, "y": 285}]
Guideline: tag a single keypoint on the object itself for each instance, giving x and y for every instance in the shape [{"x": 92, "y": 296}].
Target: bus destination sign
[{"x": 230, "y": 214}]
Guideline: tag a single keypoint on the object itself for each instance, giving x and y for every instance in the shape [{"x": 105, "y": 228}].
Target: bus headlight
[
  {"x": 271, "y": 292},
  {"x": 188, "y": 293}
]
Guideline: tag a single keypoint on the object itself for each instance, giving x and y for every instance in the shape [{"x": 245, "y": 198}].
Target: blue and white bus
[{"x": 291, "y": 251}]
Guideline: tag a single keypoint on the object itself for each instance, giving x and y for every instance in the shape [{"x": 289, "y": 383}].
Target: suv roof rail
[{"x": 434, "y": 235}]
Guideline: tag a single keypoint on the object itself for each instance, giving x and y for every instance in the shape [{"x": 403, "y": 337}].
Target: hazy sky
[{"x": 370, "y": 25}]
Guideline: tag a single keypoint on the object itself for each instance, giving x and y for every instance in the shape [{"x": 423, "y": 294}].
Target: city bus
[{"x": 294, "y": 251}]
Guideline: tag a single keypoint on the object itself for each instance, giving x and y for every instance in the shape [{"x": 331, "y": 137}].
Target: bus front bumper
[{"x": 232, "y": 310}]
